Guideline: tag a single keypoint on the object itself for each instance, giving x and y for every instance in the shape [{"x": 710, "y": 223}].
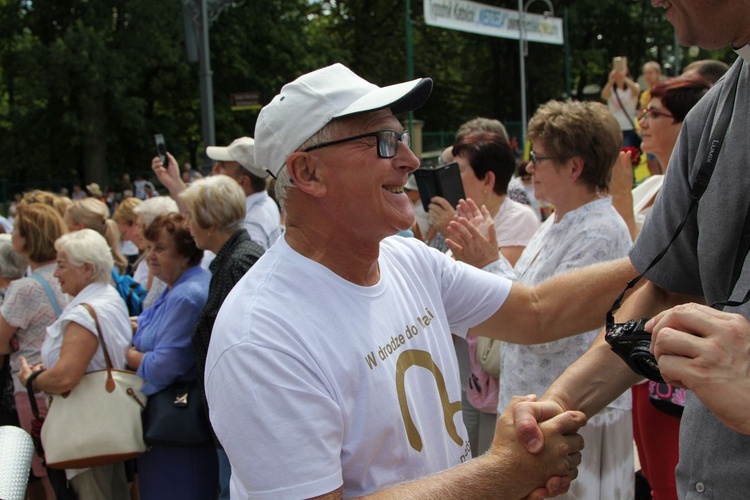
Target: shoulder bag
[
  {"x": 99, "y": 421},
  {"x": 175, "y": 416},
  {"x": 488, "y": 355}
]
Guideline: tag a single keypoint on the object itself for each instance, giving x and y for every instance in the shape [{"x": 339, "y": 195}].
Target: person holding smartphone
[{"x": 621, "y": 95}]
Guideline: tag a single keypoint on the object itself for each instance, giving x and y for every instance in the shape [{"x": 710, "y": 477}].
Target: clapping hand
[{"x": 472, "y": 237}]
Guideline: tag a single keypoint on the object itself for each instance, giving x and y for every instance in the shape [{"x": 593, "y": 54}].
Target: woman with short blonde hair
[
  {"x": 217, "y": 202},
  {"x": 126, "y": 218},
  {"x": 93, "y": 214}
]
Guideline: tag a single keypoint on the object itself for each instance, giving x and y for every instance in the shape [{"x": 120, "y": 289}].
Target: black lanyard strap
[{"x": 700, "y": 184}]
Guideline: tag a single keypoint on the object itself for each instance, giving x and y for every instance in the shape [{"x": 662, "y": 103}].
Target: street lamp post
[{"x": 522, "y": 52}]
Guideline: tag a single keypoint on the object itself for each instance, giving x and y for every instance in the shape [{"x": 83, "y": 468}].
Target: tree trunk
[{"x": 95, "y": 167}]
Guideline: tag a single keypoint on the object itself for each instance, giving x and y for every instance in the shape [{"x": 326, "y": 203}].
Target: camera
[{"x": 632, "y": 343}]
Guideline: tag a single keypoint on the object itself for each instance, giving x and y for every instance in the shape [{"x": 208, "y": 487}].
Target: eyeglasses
[
  {"x": 536, "y": 159},
  {"x": 653, "y": 114},
  {"x": 388, "y": 141}
]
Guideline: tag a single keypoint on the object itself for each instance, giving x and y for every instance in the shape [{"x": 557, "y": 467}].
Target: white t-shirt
[
  {"x": 515, "y": 224},
  {"x": 625, "y": 116},
  {"x": 262, "y": 219},
  {"x": 592, "y": 233},
  {"x": 141, "y": 272},
  {"x": 643, "y": 194},
  {"x": 314, "y": 382},
  {"x": 113, "y": 318}
]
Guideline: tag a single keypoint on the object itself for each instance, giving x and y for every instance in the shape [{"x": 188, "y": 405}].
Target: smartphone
[
  {"x": 444, "y": 181},
  {"x": 619, "y": 63},
  {"x": 161, "y": 149}
]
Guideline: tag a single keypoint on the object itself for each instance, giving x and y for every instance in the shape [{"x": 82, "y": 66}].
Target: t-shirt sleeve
[
  {"x": 81, "y": 316},
  {"x": 678, "y": 269},
  {"x": 470, "y": 295},
  {"x": 18, "y": 306},
  {"x": 297, "y": 425}
]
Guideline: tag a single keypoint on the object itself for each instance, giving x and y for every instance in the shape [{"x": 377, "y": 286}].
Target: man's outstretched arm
[
  {"x": 565, "y": 305},
  {"x": 598, "y": 377}
]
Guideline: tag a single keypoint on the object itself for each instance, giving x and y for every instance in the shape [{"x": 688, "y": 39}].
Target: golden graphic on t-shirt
[{"x": 414, "y": 357}]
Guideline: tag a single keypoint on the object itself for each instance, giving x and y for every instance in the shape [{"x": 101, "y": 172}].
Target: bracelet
[{"x": 30, "y": 382}]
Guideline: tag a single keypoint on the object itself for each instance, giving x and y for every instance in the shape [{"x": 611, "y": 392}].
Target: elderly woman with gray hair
[
  {"x": 71, "y": 347},
  {"x": 215, "y": 209}
]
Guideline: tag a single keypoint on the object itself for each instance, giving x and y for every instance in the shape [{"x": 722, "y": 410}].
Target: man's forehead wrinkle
[{"x": 368, "y": 122}]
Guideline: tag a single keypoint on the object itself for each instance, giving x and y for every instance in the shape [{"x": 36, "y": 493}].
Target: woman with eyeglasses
[
  {"x": 656, "y": 407},
  {"x": 575, "y": 145},
  {"x": 661, "y": 123}
]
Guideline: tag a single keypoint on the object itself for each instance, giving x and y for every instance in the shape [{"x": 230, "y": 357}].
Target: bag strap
[
  {"x": 622, "y": 106},
  {"x": 30, "y": 391},
  {"x": 110, "y": 380},
  {"x": 50, "y": 294}
]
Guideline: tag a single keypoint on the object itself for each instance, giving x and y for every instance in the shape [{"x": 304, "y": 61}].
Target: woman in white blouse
[
  {"x": 575, "y": 145},
  {"x": 71, "y": 347}
]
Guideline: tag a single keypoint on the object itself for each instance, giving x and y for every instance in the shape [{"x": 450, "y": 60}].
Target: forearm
[
  {"x": 599, "y": 376},
  {"x": 634, "y": 88},
  {"x": 483, "y": 477},
  {"x": 596, "y": 379},
  {"x": 56, "y": 381},
  {"x": 566, "y": 305},
  {"x": 623, "y": 203},
  {"x": 606, "y": 91}
]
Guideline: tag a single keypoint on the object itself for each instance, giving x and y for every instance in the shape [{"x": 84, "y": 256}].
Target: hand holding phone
[
  {"x": 161, "y": 149},
  {"x": 619, "y": 63}
]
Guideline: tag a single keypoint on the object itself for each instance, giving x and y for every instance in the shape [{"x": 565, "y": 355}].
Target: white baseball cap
[
  {"x": 307, "y": 104},
  {"x": 242, "y": 151}
]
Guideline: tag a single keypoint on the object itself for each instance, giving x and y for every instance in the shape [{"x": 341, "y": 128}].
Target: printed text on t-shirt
[{"x": 398, "y": 341}]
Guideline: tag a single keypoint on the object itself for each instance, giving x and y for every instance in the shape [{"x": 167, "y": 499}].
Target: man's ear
[{"x": 304, "y": 172}]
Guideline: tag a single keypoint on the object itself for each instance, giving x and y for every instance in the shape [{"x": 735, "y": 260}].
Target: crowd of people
[
  {"x": 335, "y": 359},
  {"x": 63, "y": 256}
]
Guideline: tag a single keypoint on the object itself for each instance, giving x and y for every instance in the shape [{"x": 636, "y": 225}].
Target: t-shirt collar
[{"x": 744, "y": 52}]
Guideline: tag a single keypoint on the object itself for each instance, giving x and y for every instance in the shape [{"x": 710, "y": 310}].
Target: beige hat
[{"x": 94, "y": 189}]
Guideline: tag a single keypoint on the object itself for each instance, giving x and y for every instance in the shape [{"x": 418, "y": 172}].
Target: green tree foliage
[{"x": 85, "y": 84}]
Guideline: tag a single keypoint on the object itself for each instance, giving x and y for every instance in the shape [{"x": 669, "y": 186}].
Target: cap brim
[
  {"x": 218, "y": 153},
  {"x": 400, "y": 98}
]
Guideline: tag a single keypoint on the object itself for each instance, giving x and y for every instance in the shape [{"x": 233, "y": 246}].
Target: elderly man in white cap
[
  {"x": 262, "y": 217},
  {"x": 331, "y": 371}
]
